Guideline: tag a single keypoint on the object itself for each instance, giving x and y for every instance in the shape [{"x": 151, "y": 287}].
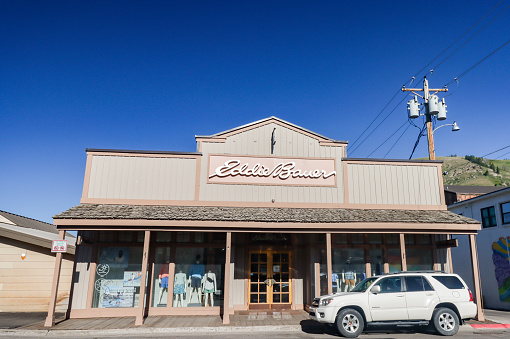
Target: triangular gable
[{"x": 223, "y": 135}]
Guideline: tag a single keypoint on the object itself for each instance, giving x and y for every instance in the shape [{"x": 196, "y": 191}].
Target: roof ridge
[{"x": 44, "y": 222}]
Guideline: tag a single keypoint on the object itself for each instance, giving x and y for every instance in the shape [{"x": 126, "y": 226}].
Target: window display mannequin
[
  {"x": 209, "y": 284},
  {"x": 195, "y": 279},
  {"x": 163, "y": 281},
  {"x": 179, "y": 284},
  {"x": 349, "y": 276}
]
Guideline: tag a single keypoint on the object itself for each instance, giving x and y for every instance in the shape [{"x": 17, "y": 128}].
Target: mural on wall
[{"x": 501, "y": 259}]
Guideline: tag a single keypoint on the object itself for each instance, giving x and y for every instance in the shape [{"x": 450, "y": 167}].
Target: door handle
[
  {"x": 400, "y": 295},
  {"x": 269, "y": 282}
]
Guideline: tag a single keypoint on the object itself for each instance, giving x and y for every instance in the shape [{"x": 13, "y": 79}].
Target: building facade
[
  {"x": 27, "y": 265},
  {"x": 493, "y": 242},
  {"x": 264, "y": 216}
]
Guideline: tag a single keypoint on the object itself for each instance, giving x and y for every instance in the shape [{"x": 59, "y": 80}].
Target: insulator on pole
[
  {"x": 413, "y": 108},
  {"x": 442, "y": 110}
]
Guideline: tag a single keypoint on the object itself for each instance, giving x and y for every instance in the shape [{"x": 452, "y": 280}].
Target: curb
[
  {"x": 489, "y": 326},
  {"x": 140, "y": 331}
]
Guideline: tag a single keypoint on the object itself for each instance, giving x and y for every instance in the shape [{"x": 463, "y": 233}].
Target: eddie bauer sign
[{"x": 228, "y": 169}]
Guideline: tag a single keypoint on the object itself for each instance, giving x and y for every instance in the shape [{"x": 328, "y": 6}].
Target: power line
[
  {"x": 398, "y": 140},
  {"x": 412, "y": 78},
  {"x": 393, "y": 110},
  {"x": 398, "y": 129},
  {"x": 495, "y": 151},
  {"x": 476, "y": 64},
  {"x": 483, "y": 156},
  {"x": 502, "y": 155},
  {"x": 474, "y": 34},
  {"x": 453, "y": 43},
  {"x": 418, "y": 139},
  {"x": 398, "y": 91}
]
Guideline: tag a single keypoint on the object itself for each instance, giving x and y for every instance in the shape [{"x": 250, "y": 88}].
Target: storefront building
[{"x": 264, "y": 216}]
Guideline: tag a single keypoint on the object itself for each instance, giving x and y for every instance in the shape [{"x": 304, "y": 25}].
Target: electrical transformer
[
  {"x": 413, "y": 108},
  {"x": 442, "y": 110},
  {"x": 433, "y": 104}
]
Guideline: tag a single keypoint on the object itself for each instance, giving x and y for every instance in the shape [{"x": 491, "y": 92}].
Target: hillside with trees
[{"x": 475, "y": 171}]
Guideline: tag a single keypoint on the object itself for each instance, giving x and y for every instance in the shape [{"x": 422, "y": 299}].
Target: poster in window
[
  {"x": 132, "y": 278},
  {"x": 114, "y": 256},
  {"x": 116, "y": 295}
]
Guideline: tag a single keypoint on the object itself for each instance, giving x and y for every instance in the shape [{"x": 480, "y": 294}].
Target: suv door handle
[
  {"x": 430, "y": 294},
  {"x": 400, "y": 295}
]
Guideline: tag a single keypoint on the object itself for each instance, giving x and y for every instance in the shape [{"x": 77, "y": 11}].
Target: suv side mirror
[{"x": 376, "y": 289}]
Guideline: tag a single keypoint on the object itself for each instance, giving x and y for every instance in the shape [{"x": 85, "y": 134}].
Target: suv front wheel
[
  {"x": 350, "y": 323},
  {"x": 445, "y": 321}
]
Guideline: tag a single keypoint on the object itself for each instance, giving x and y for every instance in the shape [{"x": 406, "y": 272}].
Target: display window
[
  {"x": 419, "y": 252},
  {"x": 348, "y": 268},
  {"x": 198, "y": 278},
  {"x": 117, "y": 277},
  {"x": 160, "y": 277}
]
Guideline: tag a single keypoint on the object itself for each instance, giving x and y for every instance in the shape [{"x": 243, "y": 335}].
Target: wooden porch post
[
  {"x": 329, "y": 263},
  {"x": 145, "y": 261},
  {"x": 476, "y": 277},
  {"x": 317, "y": 277},
  {"x": 449, "y": 255},
  {"x": 226, "y": 292},
  {"x": 50, "y": 319},
  {"x": 403, "y": 251}
]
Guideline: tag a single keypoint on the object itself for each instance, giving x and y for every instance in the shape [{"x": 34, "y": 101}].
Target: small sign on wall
[{"x": 59, "y": 246}]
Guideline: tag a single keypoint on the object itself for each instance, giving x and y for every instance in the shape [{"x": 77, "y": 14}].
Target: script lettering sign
[{"x": 230, "y": 169}]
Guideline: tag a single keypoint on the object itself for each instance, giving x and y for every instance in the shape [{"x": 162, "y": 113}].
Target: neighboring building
[
  {"x": 493, "y": 242},
  {"x": 27, "y": 265},
  {"x": 264, "y": 216},
  {"x": 456, "y": 193}
]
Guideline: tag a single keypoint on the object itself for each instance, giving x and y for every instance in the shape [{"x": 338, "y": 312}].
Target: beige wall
[
  {"x": 393, "y": 184},
  {"x": 257, "y": 141},
  {"x": 25, "y": 285},
  {"x": 81, "y": 283},
  {"x": 149, "y": 178},
  {"x": 138, "y": 178}
]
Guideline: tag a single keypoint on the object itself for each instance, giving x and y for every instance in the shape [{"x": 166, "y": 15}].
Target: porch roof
[{"x": 261, "y": 214}]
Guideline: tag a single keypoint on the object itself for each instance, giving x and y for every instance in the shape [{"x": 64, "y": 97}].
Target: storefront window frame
[{"x": 210, "y": 241}]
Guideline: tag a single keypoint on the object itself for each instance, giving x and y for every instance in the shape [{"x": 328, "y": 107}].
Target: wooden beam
[
  {"x": 476, "y": 278},
  {"x": 226, "y": 292},
  {"x": 329, "y": 266},
  {"x": 145, "y": 261},
  {"x": 317, "y": 277},
  {"x": 50, "y": 319},
  {"x": 403, "y": 251}
]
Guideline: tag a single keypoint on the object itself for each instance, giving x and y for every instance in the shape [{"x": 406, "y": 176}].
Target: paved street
[
  {"x": 290, "y": 326},
  {"x": 398, "y": 334}
]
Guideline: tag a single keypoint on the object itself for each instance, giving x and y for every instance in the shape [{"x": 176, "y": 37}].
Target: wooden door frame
[{"x": 269, "y": 305}]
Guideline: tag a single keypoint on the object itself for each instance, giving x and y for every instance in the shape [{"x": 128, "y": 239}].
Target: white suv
[{"x": 405, "y": 298}]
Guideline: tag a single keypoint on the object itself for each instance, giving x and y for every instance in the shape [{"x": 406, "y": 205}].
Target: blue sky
[{"x": 151, "y": 75}]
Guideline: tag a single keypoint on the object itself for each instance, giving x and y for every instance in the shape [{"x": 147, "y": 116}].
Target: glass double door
[{"x": 270, "y": 281}]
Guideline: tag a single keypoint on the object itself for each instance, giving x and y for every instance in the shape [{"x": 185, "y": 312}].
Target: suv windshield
[{"x": 364, "y": 285}]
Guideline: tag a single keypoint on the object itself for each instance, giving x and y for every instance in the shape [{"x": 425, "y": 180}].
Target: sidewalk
[{"x": 240, "y": 322}]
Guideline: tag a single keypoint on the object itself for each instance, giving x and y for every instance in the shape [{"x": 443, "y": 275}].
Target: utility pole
[{"x": 426, "y": 96}]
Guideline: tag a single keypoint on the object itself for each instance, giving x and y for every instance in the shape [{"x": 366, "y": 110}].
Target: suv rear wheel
[
  {"x": 445, "y": 321},
  {"x": 350, "y": 323}
]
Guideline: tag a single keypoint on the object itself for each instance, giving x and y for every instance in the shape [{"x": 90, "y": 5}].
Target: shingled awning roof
[{"x": 103, "y": 214}]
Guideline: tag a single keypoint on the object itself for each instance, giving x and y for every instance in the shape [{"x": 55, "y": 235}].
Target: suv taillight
[{"x": 470, "y": 295}]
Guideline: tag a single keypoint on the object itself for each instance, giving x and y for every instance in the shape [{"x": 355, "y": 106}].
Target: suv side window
[
  {"x": 390, "y": 285},
  {"x": 451, "y": 282},
  {"x": 417, "y": 284}
]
